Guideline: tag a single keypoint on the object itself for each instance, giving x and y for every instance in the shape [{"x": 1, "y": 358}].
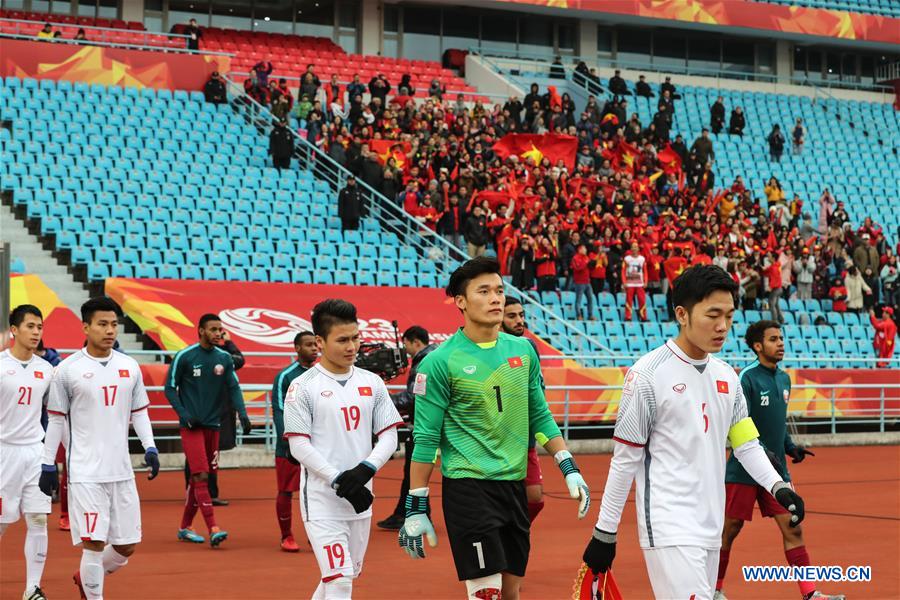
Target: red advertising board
[
  {"x": 818, "y": 22},
  {"x": 108, "y": 66}
]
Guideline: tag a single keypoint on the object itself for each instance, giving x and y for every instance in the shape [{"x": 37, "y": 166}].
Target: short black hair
[
  {"x": 697, "y": 283},
  {"x": 757, "y": 331},
  {"x": 18, "y": 314},
  {"x": 511, "y": 301},
  {"x": 328, "y": 313},
  {"x": 468, "y": 271},
  {"x": 98, "y": 304},
  {"x": 207, "y": 318},
  {"x": 298, "y": 339},
  {"x": 416, "y": 333}
]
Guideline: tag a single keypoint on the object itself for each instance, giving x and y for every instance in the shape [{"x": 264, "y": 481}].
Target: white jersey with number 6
[
  {"x": 98, "y": 396},
  {"x": 23, "y": 392},
  {"x": 679, "y": 410},
  {"x": 339, "y": 414}
]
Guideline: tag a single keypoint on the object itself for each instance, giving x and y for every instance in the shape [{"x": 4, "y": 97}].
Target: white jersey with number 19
[
  {"x": 23, "y": 392},
  {"x": 98, "y": 395},
  {"x": 339, "y": 414}
]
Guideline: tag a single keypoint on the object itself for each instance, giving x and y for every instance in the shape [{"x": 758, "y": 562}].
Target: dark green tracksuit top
[
  {"x": 766, "y": 392},
  {"x": 195, "y": 380}
]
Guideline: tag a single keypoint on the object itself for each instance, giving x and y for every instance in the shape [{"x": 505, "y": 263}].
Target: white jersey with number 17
[
  {"x": 339, "y": 414},
  {"x": 97, "y": 396},
  {"x": 23, "y": 392}
]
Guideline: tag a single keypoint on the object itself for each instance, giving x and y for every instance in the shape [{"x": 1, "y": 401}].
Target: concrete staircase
[{"x": 26, "y": 246}]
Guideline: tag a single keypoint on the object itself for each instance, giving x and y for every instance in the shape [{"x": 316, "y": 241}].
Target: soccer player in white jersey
[
  {"x": 94, "y": 394},
  {"x": 679, "y": 405},
  {"x": 24, "y": 383},
  {"x": 331, "y": 413}
]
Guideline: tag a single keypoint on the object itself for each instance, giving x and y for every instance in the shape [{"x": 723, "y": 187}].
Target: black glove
[
  {"x": 789, "y": 499},
  {"x": 600, "y": 551},
  {"x": 49, "y": 481},
  {"x": 798, "y": 453},
  {"x": 351, "y": 481},
  {"x": 361, "y": 500},
  {"x": 193, "y": 423},
  {"x": 246, "y": 425},
  {"x": 151, "y": 457}
]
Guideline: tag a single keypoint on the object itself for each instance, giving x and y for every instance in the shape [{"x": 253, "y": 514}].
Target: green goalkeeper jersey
[{"x": 480, "y": 404}]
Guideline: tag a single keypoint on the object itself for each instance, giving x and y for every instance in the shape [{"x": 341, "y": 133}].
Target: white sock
[
  {"x": 319, "y": 594},
  {"x": 91, "y": 571},
  {"x": 112, "y": 560},
  {"x": 339, "y": 589},
  {"x": 35, "y": 549}
]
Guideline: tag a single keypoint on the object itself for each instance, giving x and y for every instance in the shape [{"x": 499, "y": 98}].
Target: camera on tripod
[{"x": 385, "y": 361}]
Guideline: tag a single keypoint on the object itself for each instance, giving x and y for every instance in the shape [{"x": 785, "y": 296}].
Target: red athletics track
[{"x": 852, "y": 495}]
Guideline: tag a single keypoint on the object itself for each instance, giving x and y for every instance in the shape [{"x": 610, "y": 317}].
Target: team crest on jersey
[
  {"x": 514, "y": 362},
  {"x": 721, "y": 386},
  {"x": 679, "y": 387},
  {"x": 628, "y": 386},
  {"x": 218, "y": 369},
  {"x": 469, "y": 370},
  {"x": 786, "y": 395},
  {"x": 327, "y": 393},
  {"x": 38, "y": 374},
  {"x": 289, "y": 396},
  {"x": 124, "y": 373},
  {"x": 365, "y": 391},
  {"x": 421, "y": 384}
]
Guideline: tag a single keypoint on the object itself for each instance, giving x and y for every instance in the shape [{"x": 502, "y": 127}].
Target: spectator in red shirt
[
  {"x": 545, "y": 256},
  {"x": 772, "y": 270},
  {"x": 838, "y": 295},
  {"x": 599, "y": 261},
  {"x": 580, "y": 267},
  {"x": 885, "y": 332}
]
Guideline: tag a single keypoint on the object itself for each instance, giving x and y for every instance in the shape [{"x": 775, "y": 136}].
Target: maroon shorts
[
  {"x": 740, "y": 497},
  {"x": 287, "y": 474},
  {"x": 61, "y": 454},
  {"x": 201, "y": 449},
  {"x": 533, "y": 475}
]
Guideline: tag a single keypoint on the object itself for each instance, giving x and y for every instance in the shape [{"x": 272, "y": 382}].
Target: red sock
[
  {"x": 190, "y": 507},
  {"x": 64, "y": 493},
  {"x": 283, "y": 502},
  {"x": 201, "y": 493},
  {"x": 724, "y": 555},
  {"x": 798, "y": 557},
  {"x": 534, "y": 509}
]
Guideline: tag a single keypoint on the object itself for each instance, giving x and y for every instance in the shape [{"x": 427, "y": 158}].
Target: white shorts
[
  {"x": 339, "y": 546},
  {"x": 105, "y": 512},
  {"x": 682, "y": 572},
  {"x": 20, "y": 470}
]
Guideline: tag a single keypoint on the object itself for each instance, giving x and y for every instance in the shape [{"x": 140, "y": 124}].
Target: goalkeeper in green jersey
[{"x": 479, "y": 400}]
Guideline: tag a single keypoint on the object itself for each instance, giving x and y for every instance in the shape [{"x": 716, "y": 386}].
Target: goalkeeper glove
[
  {"x": 49, "y": 481},
  {"x": 151, "y": 458},
  {"x": 798, "y": 453},
  {"x": 789, "y": 499},
  {"x": 574, "y": 481},
  {"x": 417, "y": 524},
  {"x": 352, "y": 480},
  {"x": 245, "y": 424},
  {"x": 600, "y": 551}
]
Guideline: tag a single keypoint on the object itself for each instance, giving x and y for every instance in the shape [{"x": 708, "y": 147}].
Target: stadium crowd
[{"x": 636, "y": 190}]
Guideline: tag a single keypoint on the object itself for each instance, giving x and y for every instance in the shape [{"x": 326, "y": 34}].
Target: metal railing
[
  {"x": 391, "y": 216},
  {"x": 501, "y": 60},
  {"x": 570, "y": 404},
  {"x": 587, "y": 359},
  {"x": 153, "y": 40}
]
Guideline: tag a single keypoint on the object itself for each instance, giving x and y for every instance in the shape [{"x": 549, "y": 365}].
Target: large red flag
[
  {"x": 629, "y": 155},
  {"x": 386, "y": 149},
  {"x": 537, "y": 147},
  {"x": 669, "y": 160},
  {"x": 494, "y": 198}
]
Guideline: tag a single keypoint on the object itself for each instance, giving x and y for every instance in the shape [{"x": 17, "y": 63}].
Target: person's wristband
[
  {"x": 566, "y": 463},
  {"x": 604, "y": 536},
  {"x": 48, "y": 468}
]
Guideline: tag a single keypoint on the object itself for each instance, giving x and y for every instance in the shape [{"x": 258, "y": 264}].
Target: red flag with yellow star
[
  {"x": 385, "y": 149},
  {"x": 551, "y": 146}
]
